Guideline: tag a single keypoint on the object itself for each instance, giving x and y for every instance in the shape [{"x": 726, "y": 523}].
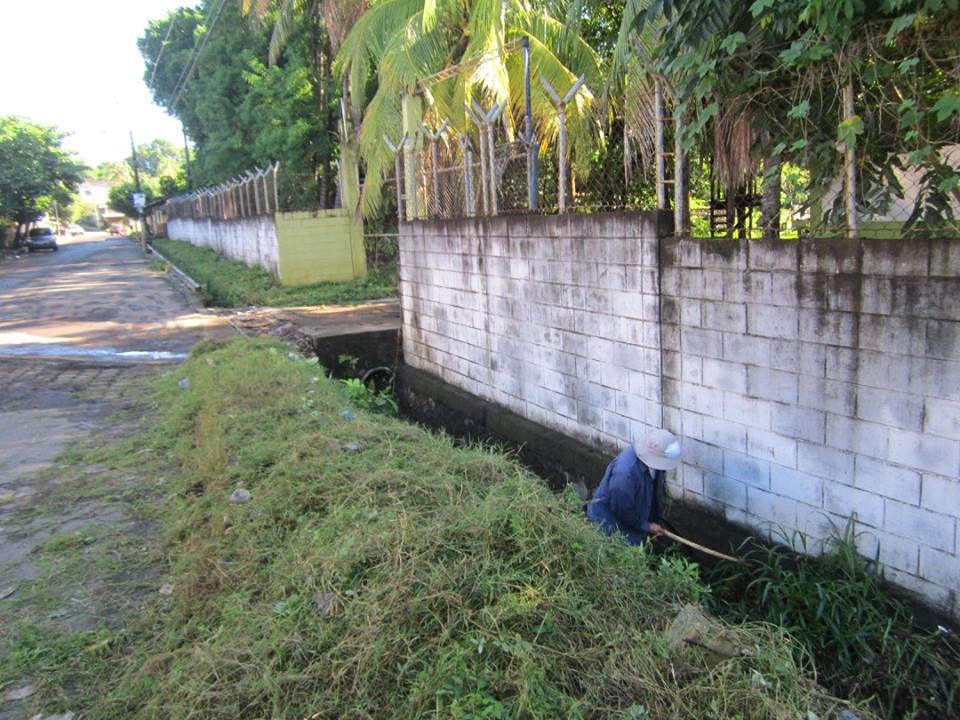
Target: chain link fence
[{"x": 867, "y": 163}]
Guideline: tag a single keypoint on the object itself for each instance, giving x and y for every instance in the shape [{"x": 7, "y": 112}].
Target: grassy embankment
[
  {"x": 227, "y": 283},
  {"x": 379, "y": 571}
]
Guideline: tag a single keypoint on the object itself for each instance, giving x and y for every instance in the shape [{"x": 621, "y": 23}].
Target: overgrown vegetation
[
  {"x": 864, "y": 641},
  {"x": 227, "y": 283},
  {"x": 379, "y": 571}
]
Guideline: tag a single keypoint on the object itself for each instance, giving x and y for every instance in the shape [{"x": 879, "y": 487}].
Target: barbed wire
[{"x": 892, "y": 200}]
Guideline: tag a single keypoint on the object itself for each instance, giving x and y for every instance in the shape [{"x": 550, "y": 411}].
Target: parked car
[
  {"x": 41, "y": 238},
  {"x": 118, "y": 230},
  {"x": 76, "y": 230}
]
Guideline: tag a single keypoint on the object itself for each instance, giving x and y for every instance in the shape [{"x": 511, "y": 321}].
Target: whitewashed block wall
[{"x": 811, "y": 381}]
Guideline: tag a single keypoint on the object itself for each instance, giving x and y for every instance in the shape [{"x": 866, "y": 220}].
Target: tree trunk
[
  {"x": 770, "y": 202},
  {"x": 321, "y": 160},
  {"x": 325, "y": 123}
]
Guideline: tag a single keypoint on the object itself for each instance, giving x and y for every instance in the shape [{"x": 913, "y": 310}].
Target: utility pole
[
  {"x": 186, "y": 156},
  {"x": 136, "y": 179},
  {"x": 56, "y": 216},
  {"x": 136, "y": 170}
]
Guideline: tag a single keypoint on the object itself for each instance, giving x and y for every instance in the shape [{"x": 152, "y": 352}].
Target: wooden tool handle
[{"x": 696, "y": 546}]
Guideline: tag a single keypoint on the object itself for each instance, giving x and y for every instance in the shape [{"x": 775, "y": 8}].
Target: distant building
[{"x": 97, "y": 194}]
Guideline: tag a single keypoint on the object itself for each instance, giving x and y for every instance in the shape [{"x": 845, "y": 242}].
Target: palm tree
[
  {"x": 331, "y": 20},
  {"x": 397, "y": 43}
]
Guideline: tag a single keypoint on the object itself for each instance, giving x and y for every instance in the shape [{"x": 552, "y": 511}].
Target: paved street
[
  {"x": 79, "y": 329},
  {"x": 94, "y": 298},
  {"x": 92, "y": 312}
]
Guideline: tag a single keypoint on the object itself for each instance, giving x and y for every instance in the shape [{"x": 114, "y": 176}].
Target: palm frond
[
  {"x": 410, "y": 55},
  {"x": 364, "y": 45},
  {"x": 339, "y": 16},
  {"x": 381, "y": 118},
  {"x": 287, "y": 13},
  {"x": 639, "y": 119}
]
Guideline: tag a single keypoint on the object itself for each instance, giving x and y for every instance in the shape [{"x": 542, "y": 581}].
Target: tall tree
[
  {"x": 35, "y": 171},
  {"x": 328, "y": 23},
  {"x": 239, "y": 110}
]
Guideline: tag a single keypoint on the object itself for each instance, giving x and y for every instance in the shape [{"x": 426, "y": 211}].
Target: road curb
[{"x": 186, "y": 279}]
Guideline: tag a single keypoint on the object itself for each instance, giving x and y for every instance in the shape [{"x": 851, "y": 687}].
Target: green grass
[
  {"x": 409, "y": 579},
  {"x": 864, "y": 641},
  {"x": 226, "y": 283}
]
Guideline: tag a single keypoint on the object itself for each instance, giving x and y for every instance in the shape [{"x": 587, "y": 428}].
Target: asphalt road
[
  {"x": 80, "y": 329},
  {"x": 95, "y": 298}
]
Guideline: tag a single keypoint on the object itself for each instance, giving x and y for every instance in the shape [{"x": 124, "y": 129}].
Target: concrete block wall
[
  {"x": 320, "y": 246},
  {"x": 252, "y": 241},
  {"x": 554, "y": 318},
  {"x": 297, "y": 248},
  {"x": 811, "y": 381},
  {"x": 816, "y": 381}
]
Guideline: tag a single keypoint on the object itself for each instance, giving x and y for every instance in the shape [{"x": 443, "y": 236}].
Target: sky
[{"x": 76, "y": 65}]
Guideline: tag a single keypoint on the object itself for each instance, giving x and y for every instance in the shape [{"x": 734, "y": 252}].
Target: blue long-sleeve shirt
[{"x": 629, "y": 498}]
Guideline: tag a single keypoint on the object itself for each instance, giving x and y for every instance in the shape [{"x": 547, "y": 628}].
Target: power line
[
  {"x": 203, "y": 45},
  {"x": 183, "y": 72},
  {"x": 163, "y": 46}
]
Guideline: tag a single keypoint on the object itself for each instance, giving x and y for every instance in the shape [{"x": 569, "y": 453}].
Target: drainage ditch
[
  {"x": 558, "y": 459},
  {"x": 922, "y": 681}
]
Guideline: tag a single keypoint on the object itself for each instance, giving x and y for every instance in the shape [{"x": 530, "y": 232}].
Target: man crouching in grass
[{"x": 629, "y": 499}]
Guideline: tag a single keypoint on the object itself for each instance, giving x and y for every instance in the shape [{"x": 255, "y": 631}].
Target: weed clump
[
  {"x": 864, "y": 641},
  {"x": 405, "y": 578}
]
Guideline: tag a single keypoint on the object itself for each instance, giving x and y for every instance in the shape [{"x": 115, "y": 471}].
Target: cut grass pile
[
  {"x": 227, "y": 283},
  {"x": 379, "y": 571}
]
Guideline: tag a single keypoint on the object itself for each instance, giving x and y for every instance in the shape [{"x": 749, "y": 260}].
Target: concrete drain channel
[{"x": 429, "y": 402}]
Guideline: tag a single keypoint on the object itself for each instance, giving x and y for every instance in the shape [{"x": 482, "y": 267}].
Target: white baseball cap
[{"x": 659, "y": 450}]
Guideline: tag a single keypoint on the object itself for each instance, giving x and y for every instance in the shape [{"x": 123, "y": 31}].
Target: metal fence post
[
  {"x": 256, "y": 194},
  {"x": 266, "y": 192},
  {"x": 483, "y": 159},
  {"x": 484, "y": 121},
  {"x": 660, "y": 147},
  {"x": 434, "y": 159},
  {"x": 532, "y": 148},
  {"x": 395, "y": 148},
  {"x": 436, "y": 174},
  {"x": 562, "y": 119},
  {"x": 492, "y": 157},
  {"x": 276, "y": 196},
  {"x": 562, "y": 162},
  {"x": 412, "y": 112},
  {"x": 680, "y": 200},
  {"x": 850, "y": 165},
  {"x": 468, "y": 175}
]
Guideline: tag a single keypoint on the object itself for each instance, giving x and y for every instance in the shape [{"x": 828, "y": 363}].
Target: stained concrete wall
[
  {"x": 297, "y": 248},
  {"x": 555, "y": 319},
  {"x": 811, "y": 381},
  {"x": 814, "y": 381},
  {"x": 252, "y": 241}
]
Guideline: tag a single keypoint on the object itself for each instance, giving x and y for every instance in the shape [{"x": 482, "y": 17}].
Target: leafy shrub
[{"x": 365, "y": 396}]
